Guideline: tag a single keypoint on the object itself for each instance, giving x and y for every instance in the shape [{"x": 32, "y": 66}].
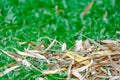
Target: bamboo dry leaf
[
  {"x": 8, "y": 70},
  {"x": 76, "y": 72},
  {"x": 34, "y": 55},
  {"x": 87, "y": 9},
  {"x": 77, "y": 57},
  {"x": 47, "y": 72},
  {"x": 102, "y": 53},
  {"x": 50, "y": 45},
  {"x": 69, "y": 70}
]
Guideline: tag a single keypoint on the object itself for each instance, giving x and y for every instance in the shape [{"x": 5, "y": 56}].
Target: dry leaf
[
  {"x": 76, "y": 72},
  {"x": 24, "y": 62},
  {"x": 87, "y": 9},
  {"x": 64, "y": 47},
  {"x": 79, "y": 45},
  {"x": 8, "y": 70},
  {"x": 77, "y": 57},
  {"x": 39, "y": 46},
  {"x": 109, "y": 42},
  {"x": 47, "y": 72},
  {"x": 22, "y": 43},
  {"x": 87, "y": 45},
  {"x": 69, "y": 70},
  {"x": 102, "y": 53},
  {"x": 39, "y": 78},
  {"x": 50, "y": 45},
  {"x": 34, "y": 55},
  {"x": 92, "y": 41}
]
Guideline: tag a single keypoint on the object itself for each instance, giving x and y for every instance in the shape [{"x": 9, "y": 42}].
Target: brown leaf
[
  {"x": 87, "y": 9},
  {"x": 76, "y": 72},
  {"x": 87, "y": 45}
]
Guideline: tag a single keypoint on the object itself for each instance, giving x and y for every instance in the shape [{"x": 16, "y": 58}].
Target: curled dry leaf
[
  {"x": 79, "y": 45},
  {"x": 26, "y": 63},
  {"x": 64, "y": 47},
  {"x": 87, "y": 45}
]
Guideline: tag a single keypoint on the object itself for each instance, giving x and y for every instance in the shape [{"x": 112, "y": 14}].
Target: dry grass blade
[
  {"x": 15, "y": 57},
  {"x": 87, "y": 9},
  {"x": 69, "y": 70},
  {"x": 50, "y": 45},
  {"x": 24, "y": 62},
  {"x": 47, "y": 72},
  {"x": 34, "y": 55},
  {"x": 109, "y": 42},
  {"x": 92, "y": 41},
  {"x": 8, "y": 70}
]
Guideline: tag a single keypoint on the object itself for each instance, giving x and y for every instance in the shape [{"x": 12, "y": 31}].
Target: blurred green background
[{"x": 28, "y": 20}]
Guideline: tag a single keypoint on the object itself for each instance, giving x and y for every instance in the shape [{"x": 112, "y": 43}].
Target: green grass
[{"x": 29, "y": 20}]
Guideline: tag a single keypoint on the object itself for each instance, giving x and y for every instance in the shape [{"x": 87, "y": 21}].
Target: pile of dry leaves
[{"x": 87, "y": 60}]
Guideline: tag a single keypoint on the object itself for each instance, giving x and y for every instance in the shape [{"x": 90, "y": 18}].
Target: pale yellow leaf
[
  {"x": 22, "y": 43},
  {"x": 102, "y": 53},
  {"x": 46, "y": 72},
  {"x": 77, "y": 57}
]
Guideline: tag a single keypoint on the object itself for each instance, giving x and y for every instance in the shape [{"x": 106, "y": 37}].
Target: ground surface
[{"x": 28, "y": 20}]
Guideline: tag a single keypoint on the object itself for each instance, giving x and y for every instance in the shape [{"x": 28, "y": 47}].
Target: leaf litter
[{"x": 87, "y": 60}]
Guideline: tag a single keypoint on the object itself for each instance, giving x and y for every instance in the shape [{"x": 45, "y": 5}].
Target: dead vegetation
[{"x": 88, "y": 60}]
